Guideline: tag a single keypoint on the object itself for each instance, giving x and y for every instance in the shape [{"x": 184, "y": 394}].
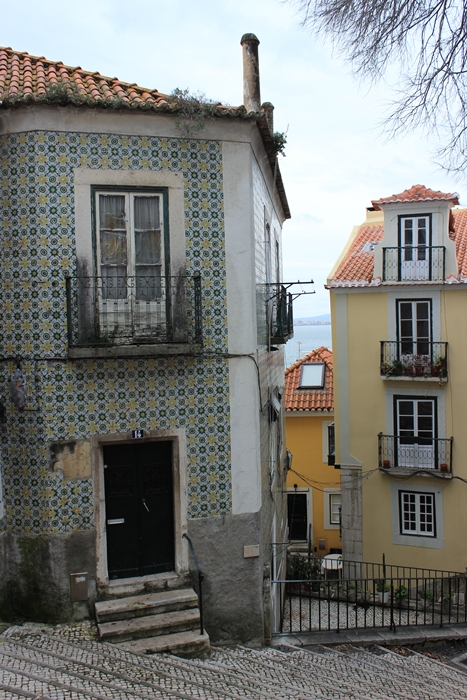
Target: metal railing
[
  {"x": 419, "y": 453},
  {"x": 107, "y": 311},
  {"x": 280, "y": 310},
  {"x": 363, "y": 595},
  {"x": 200, "y": 583},
  {"x": 414, "y": 358},
  {"x": 414, "y": 264}
]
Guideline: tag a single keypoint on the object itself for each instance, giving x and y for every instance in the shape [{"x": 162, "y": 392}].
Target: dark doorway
[
  {"x": 297, "y": 516},
  {"x": 139, "y": 509}
]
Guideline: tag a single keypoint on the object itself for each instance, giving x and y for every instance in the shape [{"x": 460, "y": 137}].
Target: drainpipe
[{"x": 251, "y": 91}]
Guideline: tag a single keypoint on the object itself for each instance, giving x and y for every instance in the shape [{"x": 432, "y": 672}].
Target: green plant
[
  {"x": 400, "y": 593},
  {"x": 102, "y": 337},
  {"x": 279, "y": 140},
  {"x": 303, "y": 569},
  {"x": 426, "y": 594},
  {"x": 193, "y": 111},
  {"x": 448, "y": 599},
  {"x": 381, "y": 585}
]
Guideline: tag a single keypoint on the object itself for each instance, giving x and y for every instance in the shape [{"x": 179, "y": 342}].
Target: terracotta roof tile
[
  {"x": 358, "y": 264},
  {"x": 417, "y": 193},
  {"x": 297, "y": 399},
  {"x": 26, "y": 79}
]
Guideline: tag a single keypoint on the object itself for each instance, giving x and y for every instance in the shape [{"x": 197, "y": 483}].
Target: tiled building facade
[{"x": 81, "y": 396}]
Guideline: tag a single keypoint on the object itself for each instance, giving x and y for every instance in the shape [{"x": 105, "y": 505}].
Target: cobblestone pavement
[
  {"x": 307, "y": 614},
  {"x": 68, "y": 663}
]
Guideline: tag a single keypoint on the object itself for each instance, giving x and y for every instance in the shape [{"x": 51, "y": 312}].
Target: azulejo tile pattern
[{"x": 73, "y": 399}]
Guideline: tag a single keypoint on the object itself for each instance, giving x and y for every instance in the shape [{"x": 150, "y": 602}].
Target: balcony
[
  {"x": 431, "y": 455},
  {"x": 414, "y": 359},
  {"x": 280, "y": 313},
  {"x": 414, "y": 264},
  {"x": 104, "y": 312}
]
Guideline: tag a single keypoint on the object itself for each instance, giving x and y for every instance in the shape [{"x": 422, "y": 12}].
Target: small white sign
[
  {"x": 137, "y": 434},
  {"x": 250, "y": 551}
]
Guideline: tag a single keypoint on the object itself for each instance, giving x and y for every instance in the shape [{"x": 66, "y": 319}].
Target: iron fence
[
  {"x": 426, "y": 453},
  {"x": 414, "y": 358},
  {"x": 379, "y": 596},
  {"x": 118, "y": 310},
  {"x": 413, "y": 264}
]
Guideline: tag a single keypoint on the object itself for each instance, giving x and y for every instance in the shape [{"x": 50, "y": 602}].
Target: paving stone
[{"x": 67, "y": 663}]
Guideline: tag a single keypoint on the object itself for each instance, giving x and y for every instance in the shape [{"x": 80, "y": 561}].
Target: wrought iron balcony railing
[
  {"x": 280, "y": 312},
  {"x": 107, "y": 311},
  {"x": 415, "y": 452},
  {"x": 413, "y": 264},
  {"x": 414, "y": 358}
]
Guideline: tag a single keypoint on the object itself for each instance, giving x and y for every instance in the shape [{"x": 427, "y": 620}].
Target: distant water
[{"x": 306, "y": 339}]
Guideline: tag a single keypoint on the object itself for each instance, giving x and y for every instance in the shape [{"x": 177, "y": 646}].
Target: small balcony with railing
[
  {"x": 414, "y": 360},
  {"x": 414, "y": 454},
  {"x": 280, "y": 312},
  {"x": 107, "y": 312},
  {"x": 414, "y": 264}
]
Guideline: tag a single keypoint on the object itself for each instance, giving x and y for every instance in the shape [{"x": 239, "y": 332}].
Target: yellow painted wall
[
  {"x": 369, "y": 405},
  {"x": 304, "y": 440}
]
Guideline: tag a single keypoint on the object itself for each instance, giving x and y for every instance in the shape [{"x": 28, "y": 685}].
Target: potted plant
[
  {"x": 400, "y": 594},
  {"x": 296, "y": 570},
  {"x": 443, "y": 467},
  {"x": 397, "y": 367},
  {"x": 383, "y": 589},
  {"x": 386, "y": 463},
  {"x": 426, "y": 594},
  {"x": 438, "y": 368}
]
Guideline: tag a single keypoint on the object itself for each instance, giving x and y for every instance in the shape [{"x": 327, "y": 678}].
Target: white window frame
[
  {"x": 327, "y": 493},
  {"x": 414, "y": 337},
  {"x": 415, "y": 540},
  {"x": 419, "y": 501},
  {"x": 325, "y": 438},
  {"x": 319, "y": 386}
]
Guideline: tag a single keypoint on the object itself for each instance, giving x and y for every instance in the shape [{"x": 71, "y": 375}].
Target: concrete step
[
  {"x": 143, "y": 605},
  {"x": 184, "y": 644},
  {"x": 126, "y": 587},
  {"x": 149, "y": 626}
]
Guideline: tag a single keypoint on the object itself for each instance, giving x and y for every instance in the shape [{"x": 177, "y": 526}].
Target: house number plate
[{"x": 136, "y": 434}]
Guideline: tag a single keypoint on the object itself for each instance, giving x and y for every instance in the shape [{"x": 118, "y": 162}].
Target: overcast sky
[{"x": 336, "y": 158}]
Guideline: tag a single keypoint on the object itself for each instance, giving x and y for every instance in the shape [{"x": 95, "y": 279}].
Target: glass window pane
[
  {"x": 147, "y": 247},
  {"x": 112, "y": 211},
  {"x": 405, "y": 408},
  {"x": 113, "y": 247},
  {"x": 406, "y": 311},
  {"x": 312, "y": 375},
  {"x": 425, "y": 408},
  {"x": 114, "y": 282},
  {"x": 147, "y": 216}
]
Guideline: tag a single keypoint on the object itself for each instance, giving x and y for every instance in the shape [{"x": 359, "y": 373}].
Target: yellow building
[
  {"x": 313, "y": 486},
  {"x": 398, "y": 305}
]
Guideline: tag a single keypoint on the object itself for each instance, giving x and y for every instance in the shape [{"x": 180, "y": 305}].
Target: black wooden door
[
  {"x": 139, "y": 508},
  {"x": 297, "y": 516}
]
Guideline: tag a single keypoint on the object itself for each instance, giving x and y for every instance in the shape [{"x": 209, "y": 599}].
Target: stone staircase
[
  {"x": 62, "y": 665},
  {"x": 150, "y": 623}
]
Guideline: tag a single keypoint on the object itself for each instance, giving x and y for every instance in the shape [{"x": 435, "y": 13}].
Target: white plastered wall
[{"x": 241, "y": 319}]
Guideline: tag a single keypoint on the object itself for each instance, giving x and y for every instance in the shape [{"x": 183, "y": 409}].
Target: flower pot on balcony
[
  {"x": 383, "y": 596},
  {"x": 386, "y": 463},
  {"x": 444, "y": 467}
]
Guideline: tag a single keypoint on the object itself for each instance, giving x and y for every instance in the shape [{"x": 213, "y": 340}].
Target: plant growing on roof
[
  {"x": 279, "y": 140},
  {"x": 193, "y": 111}
]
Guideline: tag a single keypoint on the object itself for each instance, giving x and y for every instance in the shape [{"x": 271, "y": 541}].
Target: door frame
[
  {"x": 180, "y": 504},
  {"x": 308, "y": 492}
]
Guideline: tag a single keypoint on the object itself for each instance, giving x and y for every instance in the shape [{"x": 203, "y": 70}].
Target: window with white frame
[
  {"x": 312, "y": 375},
  {"x": 332, "y": 508},
  {"x": 417, "y": 513},
  {"x": 414, "y": 326},
  {"x": 414, "y": 241},
  {"x": 335, "y": 502},
  {"x": 130, "y": 244}
]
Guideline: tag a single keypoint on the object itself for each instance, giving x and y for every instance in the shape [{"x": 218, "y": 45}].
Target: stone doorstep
[
  {"x": 143, "y": 605},
  {"x": 189, "y": 644},
  {"x": 149, "y": 626},
  {"x": 125, "y": 588}
]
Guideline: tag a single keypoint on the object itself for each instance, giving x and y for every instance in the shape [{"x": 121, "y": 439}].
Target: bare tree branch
[{"x": 427, "y": 39}]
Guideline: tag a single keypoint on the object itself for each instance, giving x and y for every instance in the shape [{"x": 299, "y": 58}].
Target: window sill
[
  {"x": 135, "y": 350},
  {"x": 411, "y": 378},
  {"x": 413, "y": 471}
]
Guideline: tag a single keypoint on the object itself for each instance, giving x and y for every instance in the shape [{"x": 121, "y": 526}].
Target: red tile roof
[
  {"x": 26, "y": 79},
  {"x": 417, "y": 193},
  {"x": 357, "y": 267},
  {"x": 297, "y": 399}
]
